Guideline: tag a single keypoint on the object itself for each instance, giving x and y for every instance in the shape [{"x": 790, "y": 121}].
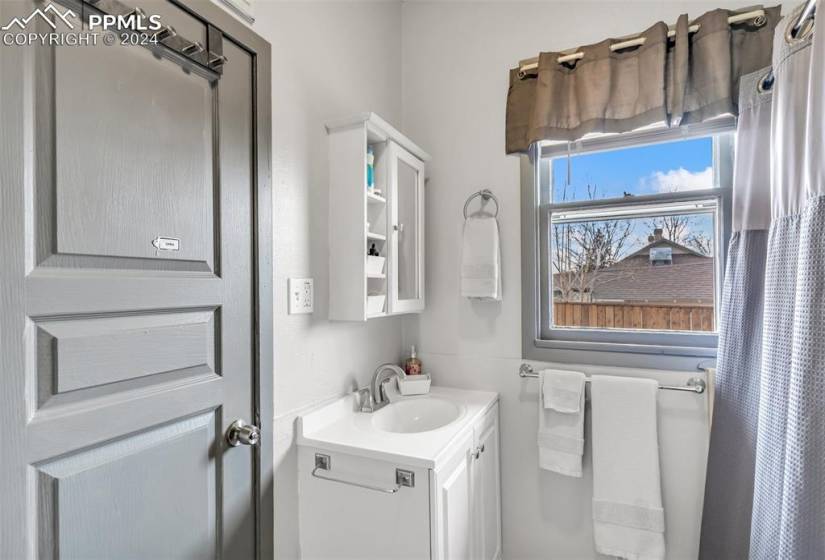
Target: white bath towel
[
  {"x": 481, "y": 259},
  {"x": 628, "y": 518},
  {"x": 561, "y": 421}
]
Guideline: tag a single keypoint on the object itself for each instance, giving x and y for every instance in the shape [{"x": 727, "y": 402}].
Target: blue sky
[
  {"x": 671, "y": 166},
  {"x": 644, "y": 170}
]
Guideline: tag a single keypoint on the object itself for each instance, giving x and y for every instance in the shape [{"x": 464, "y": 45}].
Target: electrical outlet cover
[{"x": 301, "y": 295}]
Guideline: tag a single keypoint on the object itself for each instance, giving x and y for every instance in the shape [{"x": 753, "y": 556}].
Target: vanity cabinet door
[
  {"x": 486, "y": 489},
  {"x": 406, "y": 199},
  {"x": 345, "y": 521},
  {"x": 453, "y": 489}
]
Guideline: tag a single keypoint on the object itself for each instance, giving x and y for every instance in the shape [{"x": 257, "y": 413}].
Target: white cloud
[{"x": 677, "y": 180}]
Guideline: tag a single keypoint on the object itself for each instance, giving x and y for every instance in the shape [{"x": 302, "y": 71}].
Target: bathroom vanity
[{"x": 418, "y": 478}]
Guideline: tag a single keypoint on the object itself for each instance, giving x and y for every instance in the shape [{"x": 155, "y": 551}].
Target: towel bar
[
  {"x": 323, "y": 463},
  {"x": 693, "y": 385}
]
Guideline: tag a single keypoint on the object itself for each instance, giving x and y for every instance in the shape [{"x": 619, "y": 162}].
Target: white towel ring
[{"x": 485, "y": 194}]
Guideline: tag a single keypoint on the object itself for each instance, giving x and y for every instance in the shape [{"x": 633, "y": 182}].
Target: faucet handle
[
  {"x": 365, "y": 400},
  {"x": 382, "y": 388}
]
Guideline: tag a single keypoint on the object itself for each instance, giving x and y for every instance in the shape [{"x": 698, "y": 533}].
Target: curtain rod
[
  {"x": 807, "y": 12},
  {"x": 634, "y": 40}
]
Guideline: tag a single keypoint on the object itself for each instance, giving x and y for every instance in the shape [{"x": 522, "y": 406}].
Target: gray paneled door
[{"x": 135, "y": 321}]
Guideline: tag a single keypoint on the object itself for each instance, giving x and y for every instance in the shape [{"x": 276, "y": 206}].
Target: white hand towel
[
  {"x": 628, "y": 518},
  {"x": 561, "y": 421},
  {"x": 563, "y": 391},
  {"x": 481, "y": 259}
]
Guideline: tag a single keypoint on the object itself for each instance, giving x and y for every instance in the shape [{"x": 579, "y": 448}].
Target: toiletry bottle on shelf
[
  {"x": 370, "y": 169},
  {"x": 373, "y": 252},
  {"x": 413, "y": 365}
]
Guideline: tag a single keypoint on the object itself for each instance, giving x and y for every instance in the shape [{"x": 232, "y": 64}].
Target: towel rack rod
[{"x": 693, "y": 385}]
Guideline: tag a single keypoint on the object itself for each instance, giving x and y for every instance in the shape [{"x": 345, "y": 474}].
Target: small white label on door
[{"x": 166, "y": 244}]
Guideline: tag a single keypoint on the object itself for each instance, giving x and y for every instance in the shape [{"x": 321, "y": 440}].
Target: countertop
[{"x": 338, "y": 426}]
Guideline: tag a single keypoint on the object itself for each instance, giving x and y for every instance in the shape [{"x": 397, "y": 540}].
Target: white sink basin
[{"x": 416, "y": 415}]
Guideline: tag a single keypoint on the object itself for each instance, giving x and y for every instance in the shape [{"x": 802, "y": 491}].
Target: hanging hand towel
[
  {"x": 481, "y": 259},
  {"x": 561, "y": 421},
  {"x": 628, "y": 519}
]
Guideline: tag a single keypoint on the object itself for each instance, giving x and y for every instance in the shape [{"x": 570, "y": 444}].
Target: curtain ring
[
  {"x": 798, "y": 31},
  {"x": 759, "y": 21},
  {"x": 765, "y": 83}
]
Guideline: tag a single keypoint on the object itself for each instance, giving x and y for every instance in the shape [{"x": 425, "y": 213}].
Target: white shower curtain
[
  {"x": 729, "y": 488},
  {"x": 789, "y": 487},
  {"x": 787, "y": 507}
]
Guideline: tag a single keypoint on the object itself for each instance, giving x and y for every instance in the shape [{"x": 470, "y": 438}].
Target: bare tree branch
[
  {"x": 582, "y": 250},
  {"x": 679, "y": 229}
]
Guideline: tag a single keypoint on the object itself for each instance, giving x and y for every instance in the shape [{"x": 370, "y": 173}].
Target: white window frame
[{"x": 542, "y": 341}]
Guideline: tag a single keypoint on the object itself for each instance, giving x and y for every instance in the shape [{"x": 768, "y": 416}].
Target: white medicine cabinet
[{"x": 376, "y": 220}]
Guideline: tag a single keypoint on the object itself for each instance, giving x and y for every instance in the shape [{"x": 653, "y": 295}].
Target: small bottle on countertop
[{"x": 413, "y": 365}]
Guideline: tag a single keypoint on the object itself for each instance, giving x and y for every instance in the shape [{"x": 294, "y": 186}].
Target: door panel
[
  {"x": 453, "y": 496},
  {"x": 408, "y": 249},
  {"x": 123, "y": 363},
  {"x": 406, "y": 198},
  {"x": 87, "y": 352},
  {"x": 487, "y": 493},
  {"x": 96, "y": 499},
  {"x": 150, "y": 130}
]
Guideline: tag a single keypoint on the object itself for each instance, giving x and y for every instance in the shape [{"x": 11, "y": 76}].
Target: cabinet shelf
[
  {"x": 376, "y": 236},
  {"x": 375, "y": 199}
]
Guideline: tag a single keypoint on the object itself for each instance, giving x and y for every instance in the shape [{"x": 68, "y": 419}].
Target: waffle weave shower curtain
[{"x": 765, "y": 493}]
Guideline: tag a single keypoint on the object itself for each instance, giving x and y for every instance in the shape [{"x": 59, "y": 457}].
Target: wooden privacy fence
[{"x": 651, "y": 316}]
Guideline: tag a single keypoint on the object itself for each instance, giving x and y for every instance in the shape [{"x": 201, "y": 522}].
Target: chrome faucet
[{"x": 376, "y": 398}]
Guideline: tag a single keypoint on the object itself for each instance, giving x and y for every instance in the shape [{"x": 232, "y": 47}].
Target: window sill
[{"x": 618, "y": 354}]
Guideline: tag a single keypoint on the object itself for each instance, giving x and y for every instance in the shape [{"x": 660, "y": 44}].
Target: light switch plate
[{"x": 301, "y": 295}]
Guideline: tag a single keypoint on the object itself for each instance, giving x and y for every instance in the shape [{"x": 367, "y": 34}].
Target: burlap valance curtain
[{"x": 685, "y": 79}]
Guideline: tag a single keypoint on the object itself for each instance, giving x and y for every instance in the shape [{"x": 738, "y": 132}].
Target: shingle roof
[{"x": 688, "y": 279}]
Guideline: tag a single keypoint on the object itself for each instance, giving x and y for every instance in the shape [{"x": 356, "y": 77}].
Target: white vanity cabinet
[
  {"x": 452, "y": 499},
  {"x": 467, "y": 497},
  {"x": 486, "y": 504},
  {"x": 451, "y": 511},
  {"x": 389, "y": 218}
]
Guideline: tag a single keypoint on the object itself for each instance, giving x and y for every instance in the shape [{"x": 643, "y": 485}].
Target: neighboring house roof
[
  {"x": 689, "y": 279},
  {"x": 678, "y": 249}
]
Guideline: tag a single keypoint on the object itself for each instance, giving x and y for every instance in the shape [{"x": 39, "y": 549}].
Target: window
[{"x": 626, "y": 236}]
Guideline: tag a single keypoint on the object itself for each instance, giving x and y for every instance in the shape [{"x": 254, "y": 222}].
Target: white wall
[
  {"x": 329, "y": 59},
  {"x": 456, "y": 57},
  {"x": 439, "y": 72}
]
